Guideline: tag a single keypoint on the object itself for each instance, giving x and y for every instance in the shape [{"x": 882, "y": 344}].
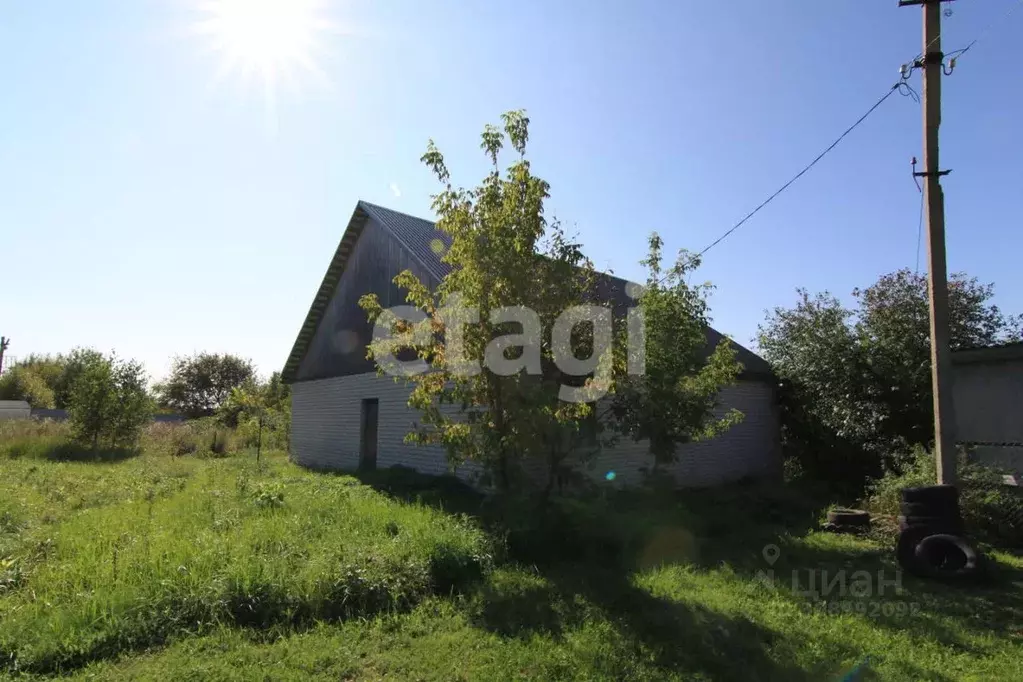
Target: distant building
[{"x": 14, "y": 409}]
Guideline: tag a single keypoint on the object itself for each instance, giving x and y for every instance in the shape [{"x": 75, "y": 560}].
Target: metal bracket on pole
[{"x": 924, "y": 174}]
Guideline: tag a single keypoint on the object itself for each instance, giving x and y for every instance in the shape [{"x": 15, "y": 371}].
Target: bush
[
  {"x": 24, "y": 383},
  {"x": 991, "y": 509},
  {"x": 108, "y": 401}
]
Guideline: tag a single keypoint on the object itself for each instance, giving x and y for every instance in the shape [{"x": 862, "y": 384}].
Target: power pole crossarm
[{"x": 937, "y": 270}]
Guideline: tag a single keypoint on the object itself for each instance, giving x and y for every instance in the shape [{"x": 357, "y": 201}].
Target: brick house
[{"x": 345, "y": 416}]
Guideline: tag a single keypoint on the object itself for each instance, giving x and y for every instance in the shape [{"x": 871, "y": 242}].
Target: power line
[
  {"x": 987, "y": 29},
  {"x": 901, "y": 86},
  {"x": 803, "y": 172}
]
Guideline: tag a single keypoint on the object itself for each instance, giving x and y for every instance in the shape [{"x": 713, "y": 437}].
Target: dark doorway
[{"x": 368, "y": 435}]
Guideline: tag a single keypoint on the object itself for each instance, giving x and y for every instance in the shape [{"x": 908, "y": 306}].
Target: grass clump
[{"x": 142, "y": 566}]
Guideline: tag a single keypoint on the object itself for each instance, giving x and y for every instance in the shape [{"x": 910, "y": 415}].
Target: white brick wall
[
  {"x": 325, "y": 416},
  {"x": 325, "y": 435}
]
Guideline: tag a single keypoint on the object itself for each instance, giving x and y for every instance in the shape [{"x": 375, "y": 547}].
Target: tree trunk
[
  {"x": 259, "y": 439},
  {"x": 503, "y": 476}
]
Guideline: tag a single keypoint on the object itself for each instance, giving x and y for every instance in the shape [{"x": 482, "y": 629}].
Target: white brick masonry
[{"x": 325, "y": 435}]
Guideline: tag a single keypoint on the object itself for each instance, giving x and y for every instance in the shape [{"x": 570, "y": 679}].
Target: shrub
[
  {"x": 24, "y": 383},
  {"x": 990, "y": 508},
  {"x": 108, "y": 401},
  {"x": 268, "y": 495}
]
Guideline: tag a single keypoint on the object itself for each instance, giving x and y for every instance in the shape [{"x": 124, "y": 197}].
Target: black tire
[
  {"x": 935, "y": 496},
  {"x": 922, "y": 509},
  {"x": 849, "y": 518},
  {"x": 905, "y": 548},
  {"x": 938, "y": 524},
  {"x": 946, "y": 557}
]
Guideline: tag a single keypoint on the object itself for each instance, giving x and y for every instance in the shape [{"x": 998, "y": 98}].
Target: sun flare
[{"x": 266, "y": 38}]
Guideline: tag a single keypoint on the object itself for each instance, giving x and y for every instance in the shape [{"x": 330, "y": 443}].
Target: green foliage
[
  {"x": 991, "y": 509},
  {"x": 108, "y": 401},
  {"x": 33, "y": 439},
  {"x": 49, "y": 378},
  {"x": 503, "y": 252},
  {"x": 857, "y": 383},
  {"x": 25, "y": 383},
  {"x": 261, "y": 413},
  {"x": 673, "y": 402},
  {"x": 268, "y": 495},
  {"x": 162, "y": 568},
  {"x": 199, "y": 385},
  {"x": 167, "y": 547}
]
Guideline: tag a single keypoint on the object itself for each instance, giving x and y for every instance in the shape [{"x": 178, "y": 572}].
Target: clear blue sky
[{"x": 146, "y": 209}]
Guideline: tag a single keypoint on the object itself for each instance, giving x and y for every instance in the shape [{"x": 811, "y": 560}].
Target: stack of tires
[{"x": 931, "y": 542}]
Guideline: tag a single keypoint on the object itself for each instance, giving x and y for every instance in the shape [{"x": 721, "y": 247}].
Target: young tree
[
  {"x": 504, "y": 254},
  {"x": 516, "y": 298},
  {"x": 268, "y": 404},
  {"x": 198, "y": 385},
  {"x": 673, "y": 401},
  {"x": 108, "y": 401}
]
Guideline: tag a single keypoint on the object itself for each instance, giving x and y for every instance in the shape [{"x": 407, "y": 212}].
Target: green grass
[{"x": 159, "y": 567}]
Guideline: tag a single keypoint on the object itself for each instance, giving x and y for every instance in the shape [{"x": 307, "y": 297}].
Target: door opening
[{"x": 368, "y": 434}]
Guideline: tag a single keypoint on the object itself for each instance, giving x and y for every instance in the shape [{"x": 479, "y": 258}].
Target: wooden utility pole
[{"x": 941, "y": 360}]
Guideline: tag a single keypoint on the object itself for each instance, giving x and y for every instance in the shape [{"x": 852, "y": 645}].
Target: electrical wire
[
  {"x": 955, "y": 54},
  {"x": 803, "y": 172},
  {"x": 987, "y": 29},
  {"x": 903, "y": 87}
]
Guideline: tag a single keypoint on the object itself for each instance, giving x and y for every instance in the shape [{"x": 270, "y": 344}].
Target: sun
[{"x": 270, "y": 39}]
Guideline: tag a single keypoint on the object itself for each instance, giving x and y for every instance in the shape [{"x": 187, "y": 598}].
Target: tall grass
[
  {"x": 195, "y": 545},
  {"x": 990, "y": 509},
  {"x": 52, "y": 440}
]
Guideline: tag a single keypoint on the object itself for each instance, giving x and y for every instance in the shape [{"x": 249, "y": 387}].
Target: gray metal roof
[
  {"x": 419, "y": 237},
  {"x": 416, "y": 234}
]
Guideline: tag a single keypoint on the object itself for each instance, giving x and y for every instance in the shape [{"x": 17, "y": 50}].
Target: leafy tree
[
  {"x": 23, "y": 382},
  {"x": 273, "y": 395},
  {"x": 268, "y": 404},
  {"x": 672, "y": 402},
  {"x": 858, "y": 380},
  {"x": 71, "y": 366},
  {"x": 504, "y": 253},
  {"x": 198, "y": 385},
  {"x": 108, "y": 401},
  {"x": 57, "y": 373}
]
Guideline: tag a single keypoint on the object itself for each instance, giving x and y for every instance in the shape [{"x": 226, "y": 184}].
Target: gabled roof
[{"x": 419, "y": 237}]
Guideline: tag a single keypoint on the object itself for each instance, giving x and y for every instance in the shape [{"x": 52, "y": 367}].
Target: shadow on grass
[
  {"x": 591, "y": 550},
  {"x": 70, "y": 452},
  {"x": 583, "y": 570}
]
